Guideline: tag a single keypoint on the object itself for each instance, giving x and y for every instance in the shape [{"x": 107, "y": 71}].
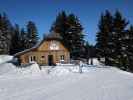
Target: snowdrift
[
  {"x": 97, "y": 84},
  {"x": 7, "y": 68},
  {"x": 31, "y": 69},
  {"x": 61, "y": 69},
  {"x": 95, "y": 61},
  {"x": 5, "y": 58},
  {"x": 10, "y": 69}
]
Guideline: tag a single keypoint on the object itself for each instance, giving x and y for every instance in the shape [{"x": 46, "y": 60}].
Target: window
[
  {"x": 62, "y": 57},
  {"x": 43, "y": 57},
  {"x": 32, "y": 58},
  {"x": 54, "y": 45}
]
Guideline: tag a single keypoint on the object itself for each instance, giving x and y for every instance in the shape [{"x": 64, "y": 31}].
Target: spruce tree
[
  {"x": 75, "y": 36},
  {"x": 87, "y": 51},
  {"x": 60, "y": 25},
  {"x": 16, "y": 40},
  {"x": 119, "y": 26},
  {"x": 104, "y": 43},
  {"x": 32, "y": 34},
  {"x": 112, "y": 41},
  {"x": 129, "y": 41},
  {"x": 23, "y": 40},
  {"x": 6, "y": 34},
  {"x": 70, "y": 29},
  {"x": 3, "y": 45}
]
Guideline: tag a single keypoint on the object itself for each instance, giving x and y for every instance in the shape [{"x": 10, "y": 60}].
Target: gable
[{"x": 51, "y": 45}]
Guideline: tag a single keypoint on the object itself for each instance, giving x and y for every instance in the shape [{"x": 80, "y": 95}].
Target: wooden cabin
[{"x": 48, "y": 52}]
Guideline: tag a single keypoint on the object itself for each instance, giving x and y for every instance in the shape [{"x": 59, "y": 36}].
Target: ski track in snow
[{"x": 96, "y": 84}]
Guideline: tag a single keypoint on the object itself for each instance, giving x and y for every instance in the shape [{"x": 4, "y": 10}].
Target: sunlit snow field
[{"x": 64, "y": 83}]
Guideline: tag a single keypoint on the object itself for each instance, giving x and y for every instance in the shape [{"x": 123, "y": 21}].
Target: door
[{"x": 50, "y": 60}]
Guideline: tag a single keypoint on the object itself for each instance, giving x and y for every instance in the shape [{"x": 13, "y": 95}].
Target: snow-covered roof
[
  {"x": 53, "y": 35},
  {"x": 50, "y": 36},
  {"x": 27, "y": 50}
]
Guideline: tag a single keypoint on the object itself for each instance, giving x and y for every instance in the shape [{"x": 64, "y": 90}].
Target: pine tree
[
  {"x": 75, "y": 35},
  {"x": 23, "y": 40},
  {"x": 3, "y": 45},
  {"x": 119, "y": 26},
  {"x": 87, "y": 52},
  {"x": 6, "y": 34},
  {"x": 129, "y": 42},
  {"x": 70, "y": 29},
  {"x": 16, "y": 41},
  {"x": 104, "y": 43},
  {"x": 32, "y": 34},
  {"x": 112, "y": 40},
  {"x": 61, "y": 26}
]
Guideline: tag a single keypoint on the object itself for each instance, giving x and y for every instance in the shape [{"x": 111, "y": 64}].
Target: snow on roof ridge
[
  {"x": 26, "y": 50},
  {"x": 48, "y": 36}
]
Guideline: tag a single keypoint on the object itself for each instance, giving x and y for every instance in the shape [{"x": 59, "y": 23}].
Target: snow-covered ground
[
  {"x": 64, "y": 83},
  {"x": 5, "y": 58}
]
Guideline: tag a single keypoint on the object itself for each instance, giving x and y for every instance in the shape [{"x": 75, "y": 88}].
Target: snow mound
[
  {"x": 34, "y": 68},
  {"x": 97, "y": 84},
  {"x": 5, "y": 58},
  {"x": 59, "y": 70},
  {"x": 10, "y": 69},
  {"x": 7, "y": 68},
  {"x": 96, "y": 62},
  {"x": 31, "y": 69},
  {"x": 60, "y": 64},
  {"x": 85, "y": 69}
]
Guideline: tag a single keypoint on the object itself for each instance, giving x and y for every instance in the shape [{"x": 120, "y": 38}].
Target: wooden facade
[{"x": 49, "y": 52}]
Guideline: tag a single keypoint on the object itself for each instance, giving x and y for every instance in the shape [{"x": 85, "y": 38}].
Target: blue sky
[{"x": 44, "y": 12}]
